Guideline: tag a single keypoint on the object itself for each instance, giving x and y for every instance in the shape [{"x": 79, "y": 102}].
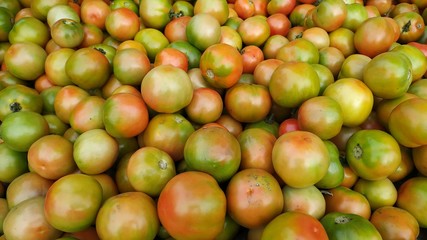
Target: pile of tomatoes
[{"x": 213, "y": 119}]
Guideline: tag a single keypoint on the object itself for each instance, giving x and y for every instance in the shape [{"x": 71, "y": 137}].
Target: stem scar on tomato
[
  {"x": 357, "y": 151},
  {"x": 15, "y": 107},
  {"x": 342, "y": 220},
  {"x": 405, "y": 28},
  {"x": 163, "y": 164}
]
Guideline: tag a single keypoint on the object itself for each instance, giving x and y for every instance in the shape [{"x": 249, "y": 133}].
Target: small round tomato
[
  {"x": 300, "y": 158},
  {"x": 292, "y": 83},
  {"x": 300, "y": 50},
  {"x": 284, "y": 7},
  {"x": 15, "y": 98},
  {"x": 384, "y": 107},
  {"x": 67, "y": 33},
  {"x": 354, "y": 66},
  {"x": 193, "y": 54},
  {"x": 66, "y": 100},
  {"x": 341, "y": 225},
  {"x": 288, "y": 125},
  {"x": 326, "y": 77},
  {"x": 68, "y": 192},
  {"x": 221, "y": 65},
  {"x": 135, "y": 207},
  {"x": 231, "y": 37},
  {"x": 175, "y": 30},
  {"x": 279, "y": 24},
  {"x": 380, "y": 193},
  {"x": 173, "y": 57},
  {"x": 254, "y": 198},
  {"x": 308, "y": 200},
  {"x": 330, "y": 14},
  {"x": 356, "y": 15},
  {"x": 345, "y": 200},
  {"x": 122, "y": 24},
  {"x": 254, "y": 30},
  {"x": 216, "y": 8},
  {"x": 205, "y": 106},
  {"x": 394, "y": 222},
  {"x": 130, "y": 66},
  {"x": 332, "y": 58},
  {"x": 345, "y": 91},
  {"x": 29, "y": 29},
  {"x": 87, "y": 114},
  {"x": 411, "y": 196},
  {"x": 288, "y": 225},
  {"x": 153, "y": 41},
  {"x": 411, "y": 25},
  {"x": 272, "y": 46},
  {"x": 318, "y": 36},
  {"x": 192, "y": 205},
  {"x": 94, "y": 12},
  {"x": 203, "y": 30},
  {"x": 264, "y": 70},
  {"x": 343, "y": 39}
]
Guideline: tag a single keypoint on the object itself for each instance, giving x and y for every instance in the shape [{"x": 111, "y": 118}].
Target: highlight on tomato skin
[{"x": 213, "y": 119}]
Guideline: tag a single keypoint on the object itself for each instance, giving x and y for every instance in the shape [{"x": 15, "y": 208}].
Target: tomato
[
  {"x": 165, "y": 128},
  {"x": 26, "y": 219},
  {"x": 205, "y": 106},
  {"x": 109, "y": 51},
  {"x": 13, "y": 165},
  {"x": 29, "y": 29},
  {"x": 51, "y": 157},
  {"x": 19, "y": 56},
  {"x": 295, "y": 166},
  {"x": 149, "y": 169},
  {"x": 244, "y": 8},
  {"x": 251, "y": 56},
  {"x": 254, "y": 30},
  {"x": 349, "y": 226},
  {"x": 135, "y": 207},
  {"x": 175, "y": 30},
  {"x": 256, "y": 145},
  {"x": 67, "y": 33},
  {"x": 290, "y": 225},
  {"x": 192, "y": 206},
  {"x": 6, "y": 23},
  {"x": 318, "y": 36},
  {"x": 388, "y": 75},
  {"x": 384, "y": 107},
  {"x": 232, "y": 125},
  {"x": 345, "y": 200},
  {"x": 406, "y": 129},
  {"x": 166, "y": 89},
  {"x": 272, "y": 46},
  {"x": 330, "y": 14},
  {"x": 325, "y": 76},
  {"x": 418, "y": 88},
  {"x": 332, "y": 58},
  {"x": 182, "y": 8},
  {"x": 292, "y": 83},
  {"x": 230, "y": 230},
  {"x": 379, "y": 193},
  {"x": 320, "y": 115},
  {"x": 87, "y": 114},
  {"x": 288, "y": 125},
  {"x": 213, "y": 150},
  {"x": 66, "y": 100},
  {"x": 60, "y": 11},
  {"x": 406, "y": 165},
  {"x": 21, "y": 129},
  {"x": 394, "y": 222},
  {"x": 354, "y": 66},
  {"x": 298, "y": 14},
  {"x": 56, "y": 126},
  {"x": 221, "y": 65},
  {"x": 308, "y": 200},
  {"x": 94, "y": 12},
  {"x": 344, "y": 91},
  {"x": 279, "y": 24},
  {"x": 356, "y": 15},
  {"x": 120, "y": 175},
  {"x": 411, "y": 25},
  {"x": 203, "y": 30},
  {"x": 122, "y": 24},
  {"x": 68, "y": 192},
  {"x": 19, "y": 97},
  {"x": 300, "y": 50},
  {"x": 254, "y": 198},
  {"x": 193, "y": 54},
  {"x": 26, "y": 186},
  {"x": 374, "y": 44},
  {"x": 95, "y": 151},
  {"x": 42, "y": 83},
  {"x": 216, "y": 8},
  {"x": 417, "y": 59},
  {"x": 263, "y": 71},
  {"x": 130, "y": 66},
  {"x": 411, "y": 197},
  {"x": 173, "y": 57},
  {"x": 88, "y": 68},
  {"x": 335, "y": 175},
  {"x": 343, "y": 39}
]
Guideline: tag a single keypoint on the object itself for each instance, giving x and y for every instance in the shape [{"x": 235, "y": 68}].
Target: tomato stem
[
  {"x": 405, "y": 28},
  {"x": 357, "y": 151},
  {"x": 342, "y": 220},
  {"x": 15, "y": 107}
]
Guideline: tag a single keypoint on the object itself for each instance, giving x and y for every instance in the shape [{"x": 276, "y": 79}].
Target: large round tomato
[
  {"x": 155, "y": 14},
  {"x": 213, "y": 150},
  {"x": 349, "y": 226},
  {"x": 66, "y": 193},
  {"x": 308, "y": 200},
  {"x": 411, "y": 25},
  {"x": 293, "y": 225},
  {"x": 55, "y": 66},
  {"x": 192, "y": 206},
  {"x": 406, "y": 122},
  {"x": 203, "y": 30},
  {"x": 355, "y": 98},
  {"x": 17, "y": 98},
  {"x": 300, "y": 50},
  {"x": 29, "y": 29},
  {"x": 330, "y": 14},
  {"x": 87, "y": 114},
  {"x": 373, "y": 154},
  {"x": 300, "y": 158},
  {"x": 345, "y": 200},
  {"x": 136, "y": 208},
  {"x": 67, "y": 33},
  {"x": 411, "y": 196},
  {"x": 13, "y": 165},
  {"x": 379, "y": 193},
  {"x": 25, "y": 60},
  {"x": 130, "y": 66}
]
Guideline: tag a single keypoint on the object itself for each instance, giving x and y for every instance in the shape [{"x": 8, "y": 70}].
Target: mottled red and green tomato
[
  {"x": 380, "y": 193},
  {"x": 203, "y": 30},
  {"x": 67, "y": 33},
  {"x": 330, "y": 14},
  {"x": 18, "y": 97},
  {"x": 55, "y": 66},
  {"x": 25, "y": 60},
  {"x": 122, "y": 24},
  {"x": 205, "y": 106},
  {"x": 346, "y": 200},
  {"x": 29, "y": 29},
  {"x": 411, "y": 196},
  {"x": 130, "y": 66},
  {"x": 155, "y": 14},
  {"x": 308, "y": 200}
]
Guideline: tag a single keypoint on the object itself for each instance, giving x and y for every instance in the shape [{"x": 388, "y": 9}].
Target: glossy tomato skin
[
  {"x": 335, "y": 175},
  {"x": 254, "y": 198},
  {"x": 411, "y": 25},
  {"x": 411, "y": 197},
  {"x": 330, "y": 14},
  {"x": 345, "y": 200},
  {"x": 155, "y": 14},
  {"x": 17, "y": 98},
  {"x": 308, "y": 200},
  {"x": 192, "y": 206},
  {"x": 135, "y": 207},
  {"x": 19, "y": 56},
  {"x": 349, "y": 226},
  {"x": 292, "y": 225}
]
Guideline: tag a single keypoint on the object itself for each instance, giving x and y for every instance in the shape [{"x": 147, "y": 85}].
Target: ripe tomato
[
  {"x": 51, "y": 157},
  {"x": 213, "y": 150},
  {"x": 318, "y": 36},
  {"x": 300, "y": 158},
  {"x": 411, "y": 197},
  {"x": 68, "y": 192},
  {"x": 330, "y": 14},
  {"x": 94, "y": 12},
  {"x": 254, "y": 198},
  {"x": 254, "y": 30},
  {"x": 394, "y": 222},
  {"x": 130, "y": 66},
  {"x": 273, "y": 45},
  {"x": 192, "y": 206},
  {"x": 175, "y": 30},
  {"x": 165, "y": 128},
  {"x": 122, "y": 24},
  {"x": 166, "y": 89},
  {"x": 263, "y": 71},
  {"x": 206, "y": 106},
  {"x": 279, "y": 24},
  {"x": 345, "y": 200},
  {"x": 135, "y": 207},
  {"x": 308, "y": 200},
  {"x": 288, "y": 125},
  {"x": 340, "y": 225},
  {"x": 171, "y": 56},
  {"x": 300, "y": 50},
  {"x": 289, "y": 225},
  {"x": 373, "y": 44},
  {"x": 193, "y": 54},
  {"x": 221, "y": 65},
  {"x": 87, "y": 114},
  {"x": 345, "y": 91},
  {"x": 411, "y": 25}
]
